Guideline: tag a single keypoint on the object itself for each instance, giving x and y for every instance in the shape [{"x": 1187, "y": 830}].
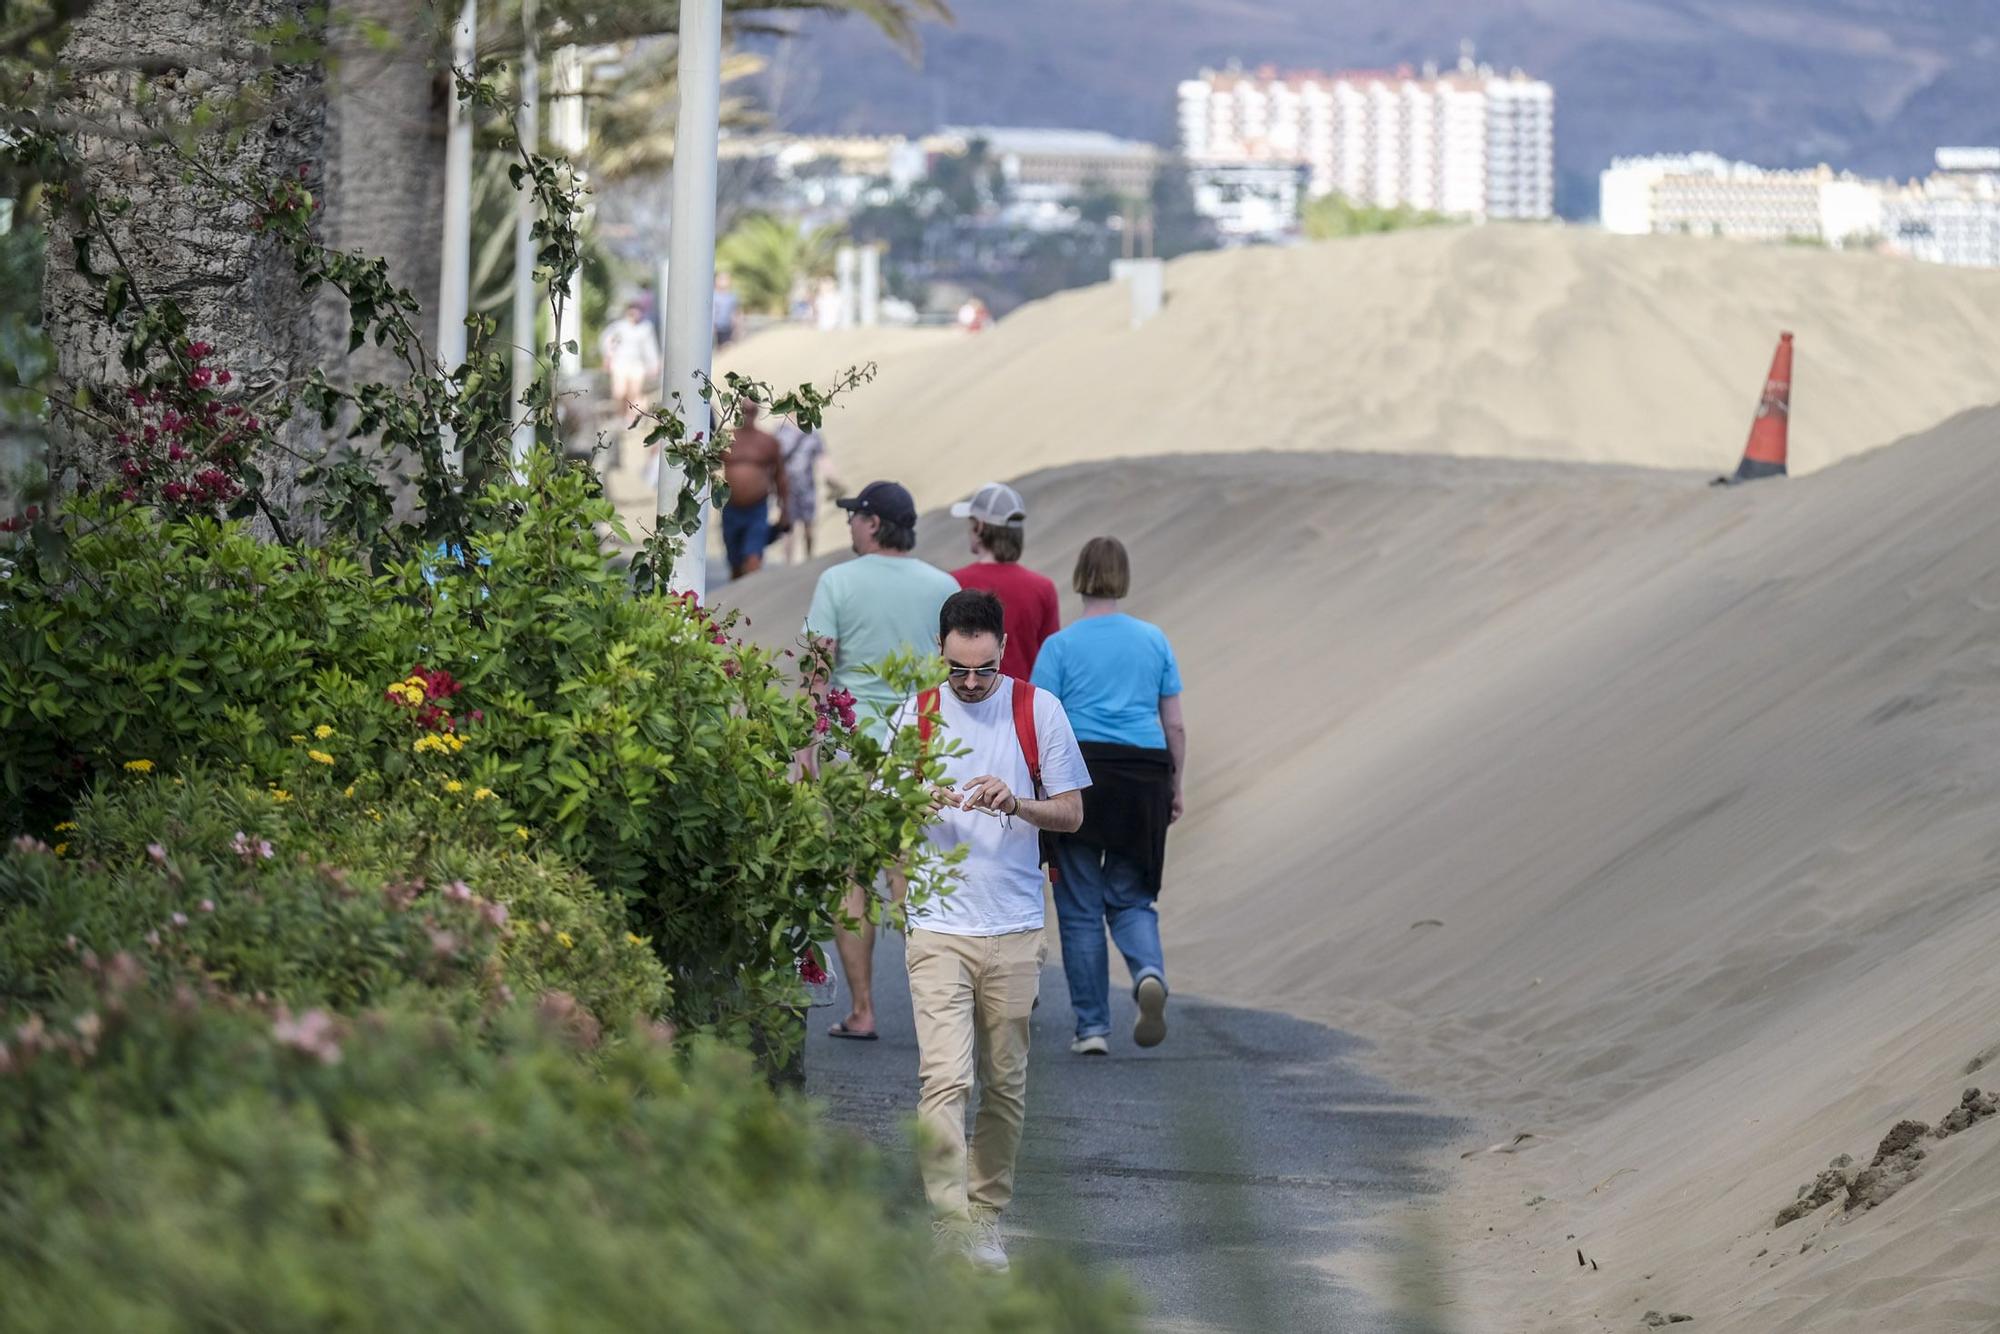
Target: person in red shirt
[{"x": 999, "y": 522}]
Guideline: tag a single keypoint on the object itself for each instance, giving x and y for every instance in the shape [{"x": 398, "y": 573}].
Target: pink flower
[
  {"x": 180, "y": 919},
  {"x": 495, "y": 914},
  {"x": 208, "y": 905},
  {"x": 157, "y": 853},
  {"x": 312, "y": 1033},
  {"x": 820, "y": 725},
  {"x": 458, "y": 891},
  {"x": 249, "y": 849},
  {"x": 222, "y": 377},
  {"x": 153, "y": 939}
]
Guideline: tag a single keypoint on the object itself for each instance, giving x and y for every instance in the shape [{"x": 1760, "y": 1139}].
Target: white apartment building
[
  {"x": 1472, "y": 143},
  {"x": 1704, "y": 195},
  {"x": 1249, "y": 201},
  {"x": 1953, "y": 217}
]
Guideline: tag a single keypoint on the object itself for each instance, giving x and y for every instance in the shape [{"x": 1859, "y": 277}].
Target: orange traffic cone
[{"x": 1770, "y": 433}]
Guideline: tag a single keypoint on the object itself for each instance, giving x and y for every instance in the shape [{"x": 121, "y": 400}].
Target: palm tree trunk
[
  {"x": 385, "y": 137},
  {"x": 188, "y": 242}
]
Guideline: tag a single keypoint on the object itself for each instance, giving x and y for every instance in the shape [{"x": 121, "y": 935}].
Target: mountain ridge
[{"x": 1870, "y": 85}]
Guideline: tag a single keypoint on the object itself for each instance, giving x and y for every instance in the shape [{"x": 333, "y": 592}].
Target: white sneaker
[
  {"x": 950, "y": 1240},
  {"x": 1090, "y": 1046},
  {"x": 987, "y": 1251},
  {"x": 1151, "y": 1030}
]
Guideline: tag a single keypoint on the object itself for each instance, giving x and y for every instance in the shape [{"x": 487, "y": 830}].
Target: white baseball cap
[{"x": 995, "y": 503}]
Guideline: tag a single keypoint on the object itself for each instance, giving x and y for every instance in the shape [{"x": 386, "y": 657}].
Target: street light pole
[
  {"x": 528, "y": 128},
  {"x": 690, "y": 320},
  {"x": 455, "y": 274}
]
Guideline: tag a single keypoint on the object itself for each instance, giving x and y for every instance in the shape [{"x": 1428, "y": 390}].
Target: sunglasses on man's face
[{"x": 957, "y": 672}]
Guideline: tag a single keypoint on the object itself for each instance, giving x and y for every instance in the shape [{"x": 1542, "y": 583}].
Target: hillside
[
  {"x": 1536, "y": 343},
  {"x": 1869, "y": 84},
  {"x": 1653, "y": 820}
]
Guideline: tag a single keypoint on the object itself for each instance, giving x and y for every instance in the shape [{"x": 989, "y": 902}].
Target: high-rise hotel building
[{"x": 1471, "y": 142}]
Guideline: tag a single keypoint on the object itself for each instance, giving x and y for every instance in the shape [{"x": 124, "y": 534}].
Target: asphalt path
[{"x": 1218, "y": 1172}]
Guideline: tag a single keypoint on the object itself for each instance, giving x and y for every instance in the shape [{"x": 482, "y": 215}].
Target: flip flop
[{"x": 841, "y": 1030}]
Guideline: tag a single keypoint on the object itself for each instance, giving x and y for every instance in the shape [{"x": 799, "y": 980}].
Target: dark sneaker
[{"x": 1151, "y": 1030}]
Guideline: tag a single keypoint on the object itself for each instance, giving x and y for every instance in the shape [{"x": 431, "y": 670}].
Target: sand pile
[
  {"x": 1655, "y": 820},
  {"x": 1507, "y": 342}
]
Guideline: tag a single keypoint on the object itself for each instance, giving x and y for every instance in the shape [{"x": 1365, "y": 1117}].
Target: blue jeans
[{"x": 1095, "y": 888}]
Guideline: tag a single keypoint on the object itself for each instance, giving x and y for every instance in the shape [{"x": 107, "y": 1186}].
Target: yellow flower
[
  {"x": 319, "y": 757},
  {"x": 61, "y": 848},
  {"x": 138, "y": 766},
  {"x": 322, "y": 731},
  {"x": 453, "y": 785},
  {"x": 298, "y": 736},
  {"x": 564, "y": 939},
  {"x": 375, "y": 815},
  {"x": 280, "y": 796},
  {"x": 521, "y": 832},
  {"x": 65, "y": 826},
  {"x": 455, "y": 742},
  {"x": 633, "y": 939},
  {"x": 432, "y": 742},
  {"x": 348, "y": 791},
  {"x": 481, "y": 793}
]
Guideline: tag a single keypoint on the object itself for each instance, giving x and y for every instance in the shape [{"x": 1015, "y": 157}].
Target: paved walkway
[{"x": 1217, "y": 1171}]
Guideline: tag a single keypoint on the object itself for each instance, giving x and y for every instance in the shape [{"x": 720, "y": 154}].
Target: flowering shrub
[
  {"x": 191, "y": 1165},
  {"x": 211, "y": 883},
  {"x": 634, "y": 734}
]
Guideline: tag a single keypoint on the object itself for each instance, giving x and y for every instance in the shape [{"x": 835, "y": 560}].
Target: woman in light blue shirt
[{"x": 1119, "y": 684}]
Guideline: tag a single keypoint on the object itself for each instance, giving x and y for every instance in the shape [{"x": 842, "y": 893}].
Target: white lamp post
[
  {"x": 455, "y": 274},
  {"x": 690, "y": 294}
]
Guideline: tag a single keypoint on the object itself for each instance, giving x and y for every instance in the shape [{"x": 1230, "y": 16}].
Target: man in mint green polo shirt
[{"x": 884, "y": 601}]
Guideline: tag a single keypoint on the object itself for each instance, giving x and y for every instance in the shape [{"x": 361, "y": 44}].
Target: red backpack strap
[
  {"x": 1024, "y": 731},
  {"x": 927, "y": 707}
]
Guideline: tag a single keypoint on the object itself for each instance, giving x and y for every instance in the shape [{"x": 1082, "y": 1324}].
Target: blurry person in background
[
  {"x": 754, "y": 468},
  {"x": 999, "y": 533},
  {"x": 631, "y": 352},
  {"x": 1119, "y": 684},
  {"x": 807, "y": 462},
  {"x": 726, "y": 310},
  {"x": 973, "y": 317},
  {"x": 883, "y": 602}
]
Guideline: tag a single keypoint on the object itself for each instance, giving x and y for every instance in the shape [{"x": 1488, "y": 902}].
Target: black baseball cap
[{"x": 888, "y": 501}]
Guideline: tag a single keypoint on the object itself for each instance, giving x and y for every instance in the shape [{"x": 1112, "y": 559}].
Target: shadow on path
[{"x": 1218, "y": 1171}]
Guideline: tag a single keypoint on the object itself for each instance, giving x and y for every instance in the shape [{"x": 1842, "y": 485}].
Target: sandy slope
[
  {"x": 1510, "y": 342},
  {"x": 1700, "y": 788}
]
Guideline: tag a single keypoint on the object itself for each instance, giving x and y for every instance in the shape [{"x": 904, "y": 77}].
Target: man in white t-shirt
[{"x": 975, "y": 954}]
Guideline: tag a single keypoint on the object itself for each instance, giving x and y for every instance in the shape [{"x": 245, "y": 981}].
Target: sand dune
[
  {"x": 1701, "y": 786},
  {"x": 1508, "y": 342}
]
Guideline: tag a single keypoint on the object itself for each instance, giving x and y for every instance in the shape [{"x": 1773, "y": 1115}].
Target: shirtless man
[{"x": 754, "y": 467}]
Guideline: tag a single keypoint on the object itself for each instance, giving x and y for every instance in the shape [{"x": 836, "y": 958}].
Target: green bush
[
  {"x": 315, "y": 899},
  {"x": 634, "y": 735},
  {"x": 187, "y": 1167}
]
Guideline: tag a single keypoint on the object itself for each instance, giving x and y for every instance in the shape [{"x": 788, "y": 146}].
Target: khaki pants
[{"x": 973, "y": 996}]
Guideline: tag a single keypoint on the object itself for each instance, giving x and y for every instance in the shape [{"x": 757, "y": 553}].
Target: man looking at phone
[{"x": 975, "y": 954}]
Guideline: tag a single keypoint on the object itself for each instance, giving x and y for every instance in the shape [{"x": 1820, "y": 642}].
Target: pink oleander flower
[{"x": 312, "y": 1033}]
